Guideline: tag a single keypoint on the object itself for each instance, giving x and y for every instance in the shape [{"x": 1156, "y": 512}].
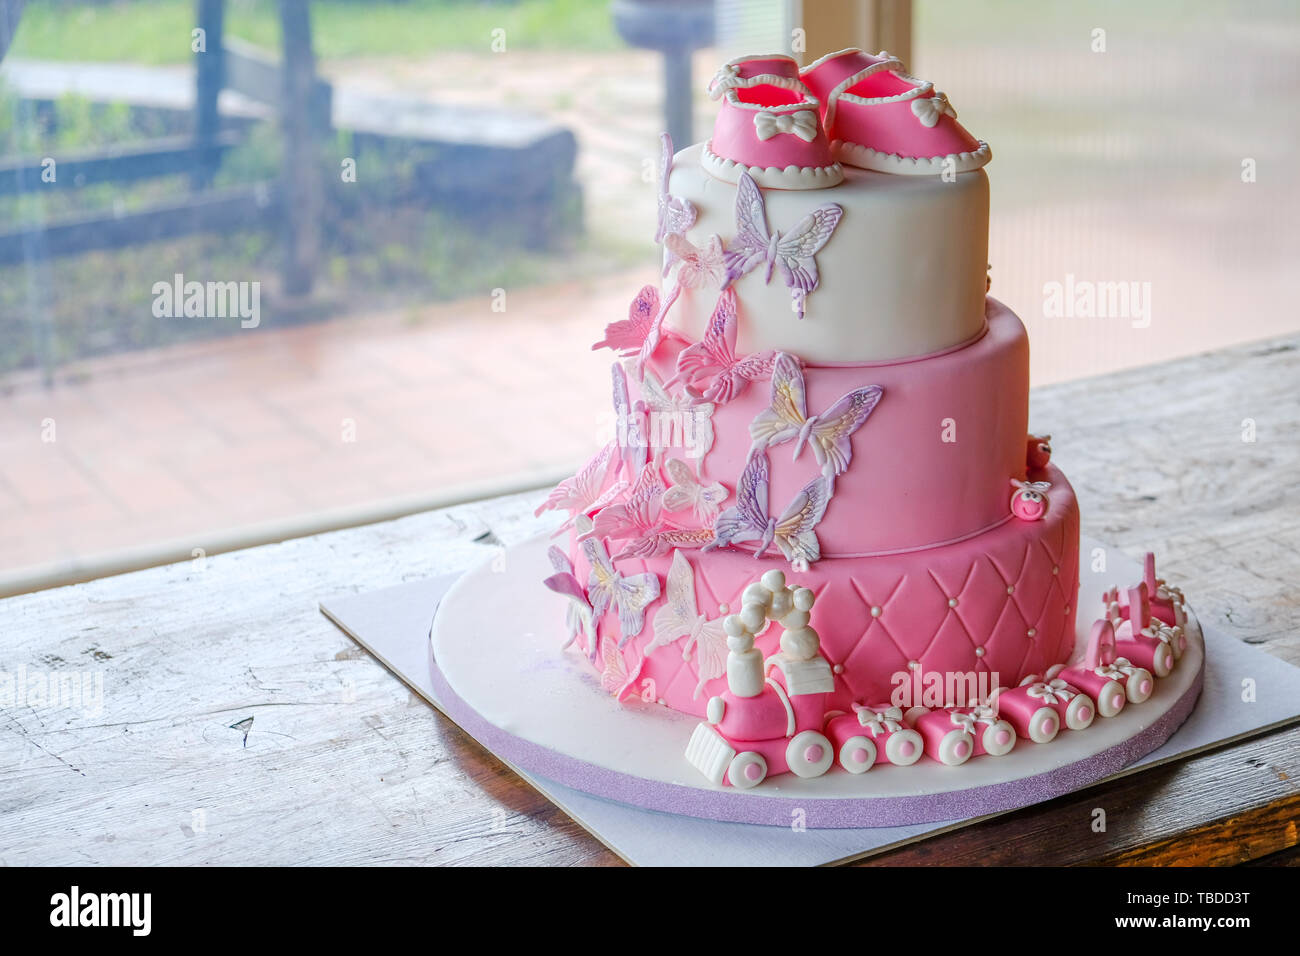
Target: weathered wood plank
[
  {"x": 343, "y": 764},
  {"x": 159, "y": 157}
]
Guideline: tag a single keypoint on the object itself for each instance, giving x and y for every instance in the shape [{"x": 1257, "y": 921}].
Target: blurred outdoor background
[{"x": 431, "y": 208}]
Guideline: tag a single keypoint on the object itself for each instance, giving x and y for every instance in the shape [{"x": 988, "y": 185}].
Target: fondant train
[{"x": 773, "y": 719}]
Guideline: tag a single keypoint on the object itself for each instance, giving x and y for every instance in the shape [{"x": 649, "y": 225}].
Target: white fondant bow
[
  {"x": 1119, "y": 669},
  {"x": 976, "y": 715},
  {"x": 928, "y": 109},
  {"x": 802, "y": 123},
  {"x": 1162, "y": 632},
  {"x": 1052, "y": 692},
  {"x": 728, "y": 75},
  {"x": 888, "y": 720}
]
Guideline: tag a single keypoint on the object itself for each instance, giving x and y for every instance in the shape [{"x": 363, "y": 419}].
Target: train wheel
[
  {"x": 955, "y": 748},
  {"x": 858, "y": 754},
  {"x": 747, "y": 769},
  {"x": 999, "y": 738},
  {"x": 1044, "y": 725},
  {"x": 904, "y": 747},
  {"x": 809, "y": 754}
]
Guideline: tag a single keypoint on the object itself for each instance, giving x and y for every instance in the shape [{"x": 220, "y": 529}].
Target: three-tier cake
[{"x": 821, "y": 493}]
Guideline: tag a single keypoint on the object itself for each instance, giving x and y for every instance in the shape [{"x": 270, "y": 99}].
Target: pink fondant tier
[
  {"x": 1001, "y": 602},
  {"x": 932, "y": 464}
]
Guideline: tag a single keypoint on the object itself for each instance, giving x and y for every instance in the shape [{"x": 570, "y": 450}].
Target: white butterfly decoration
[
  {"x": 794, "y": 251},
  {"x": 579, "y": 617},
  {"x": 675, "y": 215},
  {"x": 607, "y": 588},
  {"x": 677, "y": 421},
  {"x": 615, "y": 676},
  {"x": 699, "y": 268},
  {"x": 828, "y": 434},
  {"x": 678, "y": 618},
  {"x": 686, "y": 491},
  {"x": 749, "y": 520}
]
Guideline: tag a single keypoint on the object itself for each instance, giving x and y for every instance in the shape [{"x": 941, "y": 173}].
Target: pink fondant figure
[
  {"x": 872, "y": 735},
  {"x": 880, "y": 118},
  {"x": 1029, "y": 500},
  {"x": 769, "y": 126},
  {"x": 955, "y": 734},
  {"x": 1038, "y": 452},
  {"x": 1146, "y": 640}
]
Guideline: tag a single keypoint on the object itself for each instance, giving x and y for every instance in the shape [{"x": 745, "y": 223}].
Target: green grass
[{"x": 158, "y": 31}]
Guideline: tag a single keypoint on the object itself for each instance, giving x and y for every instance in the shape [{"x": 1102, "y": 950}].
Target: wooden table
[{"x": 342, "y": 764}]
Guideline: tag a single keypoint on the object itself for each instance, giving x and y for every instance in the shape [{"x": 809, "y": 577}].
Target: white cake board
[{"x": 394, "y": 624}]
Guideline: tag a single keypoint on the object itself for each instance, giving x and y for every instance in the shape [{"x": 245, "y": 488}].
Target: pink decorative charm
[
  {"x": 676, "y": 216},
  {"x": 794, "y": 251},
  {"x": 1038, "y": 452},
  {"x": 1029, "y": 501},
  {"x": 793, "y": 532},
  {"x": 579, "y": 618},
  {"x": 711, "y": 367}
]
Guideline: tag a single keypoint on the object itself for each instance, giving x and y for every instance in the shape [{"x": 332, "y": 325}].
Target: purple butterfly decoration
[
  {"x": 793, "y": 532},
  {"x": 794, "y": 251},
  {"x": 827, "y": 434},
  {"x": 675, "y": 215},
  {"x": 580, "y": 617},
  {"x": 629, "y": 595},
  {"x": 713, "y": 362}
]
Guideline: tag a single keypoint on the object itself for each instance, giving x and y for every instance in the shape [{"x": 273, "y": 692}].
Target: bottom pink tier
[{"x": 1002, "y": 602}]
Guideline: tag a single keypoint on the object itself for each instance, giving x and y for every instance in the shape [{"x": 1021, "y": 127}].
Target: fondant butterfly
[
  {"x": 679, "y": 618},
  {"x": 628, "y": 595},
  {"x": 626, "y": 336},
  {"x": 665, "y": 539},
  {"x": 585, "y": 491},
  {"x": 637, "y": 514},
  {"x": 686, "y": 491},
  {"x": 579, "y": 617},
  {"x": 629, "y": 432},
  {"x": 615, "y": 676},
  {"x": 699, "y": 268},
  {"x": 794, "y": 251},
  {"x": 678, "y": 421},
  {"x": 828, "y": 434},
  {"x": 749, "y": 520},
  {"x": 675, "y": 215},
  {"x": 713, "y": 360}
]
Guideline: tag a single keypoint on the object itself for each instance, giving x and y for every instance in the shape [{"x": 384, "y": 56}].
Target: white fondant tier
[{"x": 903, "y": 275}]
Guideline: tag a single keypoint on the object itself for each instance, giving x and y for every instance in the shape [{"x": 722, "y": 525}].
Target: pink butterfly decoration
[
  {"x": 615, "y": 676},
  {"x": 583, "y": 492},
  {"x": 686, "y": 491},
  {"x": 794, "y": 251},
  {"x": 675, "y": 215},
  {"x": 793, "y": 532},
  {"x": 828, "y": 434},
  {"x": 579, "y": 617},
  {"x": 710, "y": 367},
  {"x": 626, "y": 336},
  {"x": 635, "y": 516},
  {"x": 699, "y": 268}
]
